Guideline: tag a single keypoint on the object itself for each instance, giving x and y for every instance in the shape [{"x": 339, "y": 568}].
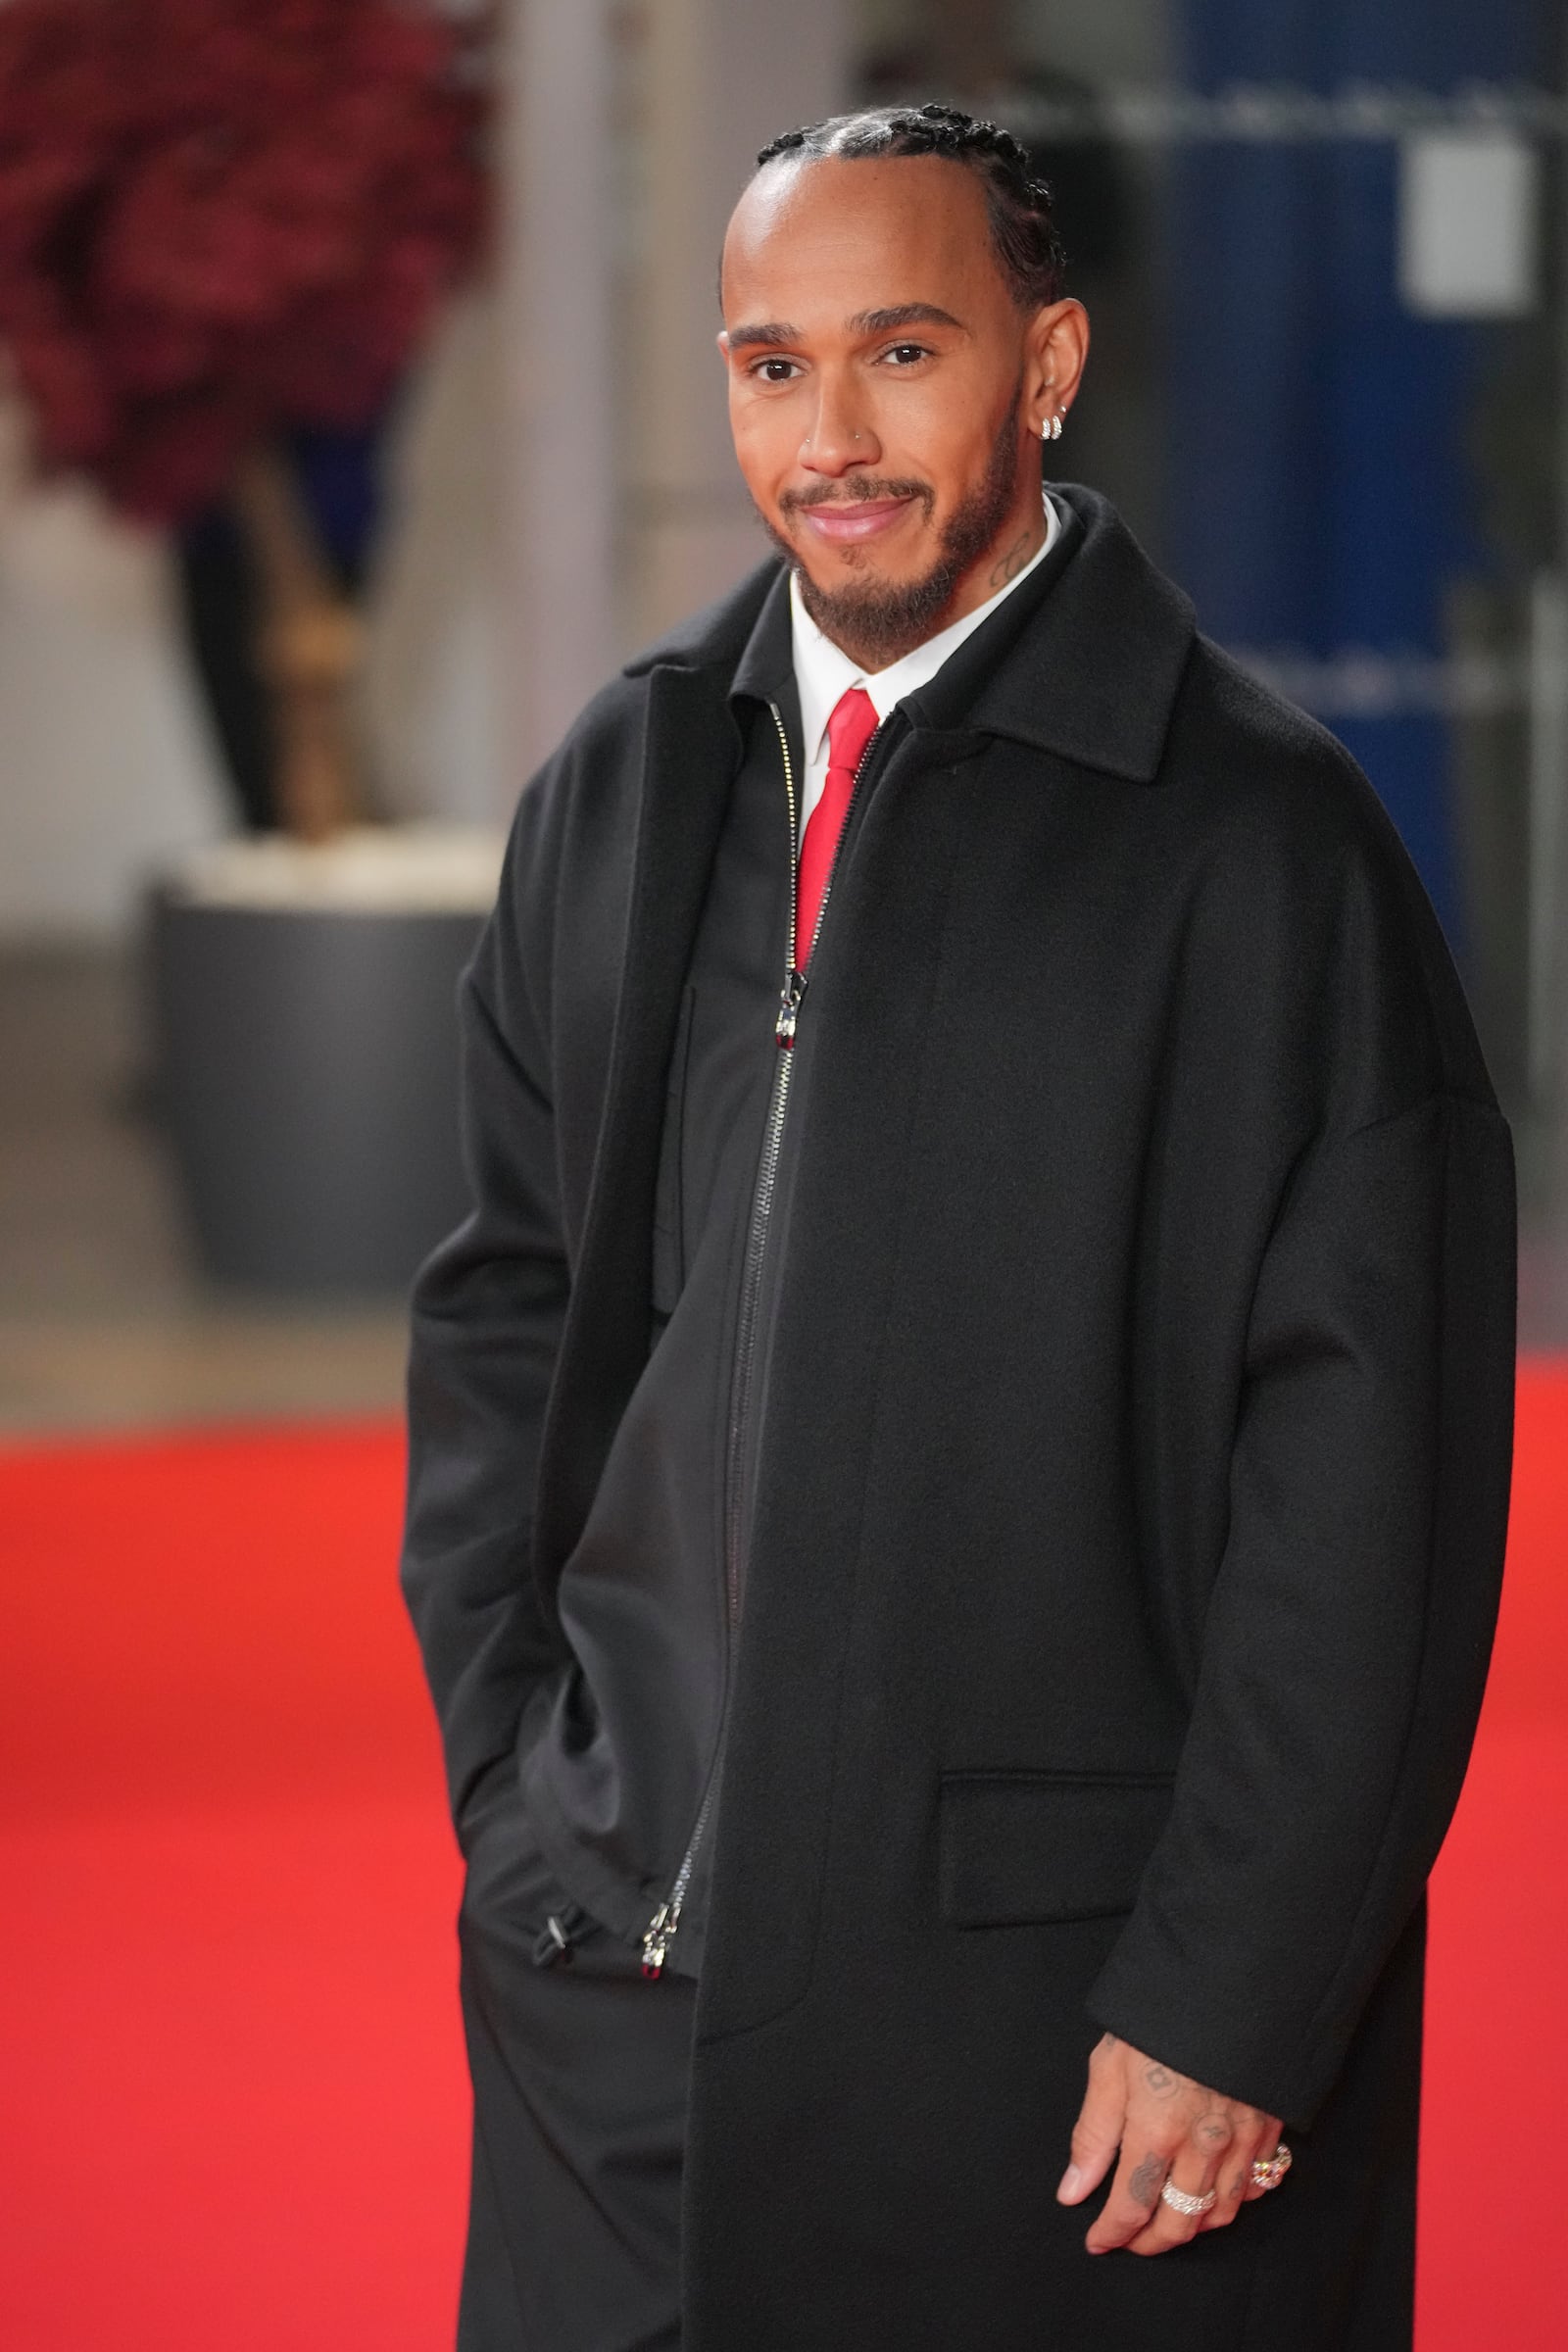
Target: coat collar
[
  {"x": 1093, "y": 673},
  {"x": 1084, "y": 664}
]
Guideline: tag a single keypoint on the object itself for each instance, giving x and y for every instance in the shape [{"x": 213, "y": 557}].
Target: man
[{"x": 959, "y": 1462}]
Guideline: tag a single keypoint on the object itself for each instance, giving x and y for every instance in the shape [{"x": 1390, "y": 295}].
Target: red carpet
[{"x": 233, "y": 2110}]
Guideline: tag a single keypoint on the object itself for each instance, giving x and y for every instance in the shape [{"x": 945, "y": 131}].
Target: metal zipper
[{"x": 662, "y": 1927}]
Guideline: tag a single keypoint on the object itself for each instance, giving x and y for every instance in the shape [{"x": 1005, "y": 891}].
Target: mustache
[{"x": 856, "y": 489}]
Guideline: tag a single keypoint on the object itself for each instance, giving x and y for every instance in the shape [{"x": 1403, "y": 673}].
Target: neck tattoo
[{"x": 1008, "y": 567}]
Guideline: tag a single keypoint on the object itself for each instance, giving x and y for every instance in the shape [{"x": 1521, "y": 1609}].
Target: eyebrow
[
  {"x": 775, "y": 335},
  {"x": 902, "y": 313}
]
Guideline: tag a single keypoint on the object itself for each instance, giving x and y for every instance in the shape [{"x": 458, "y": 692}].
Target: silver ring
[
  {"x": 1269, "y": 2171},
  {"x": 1180, "y": 2202}
]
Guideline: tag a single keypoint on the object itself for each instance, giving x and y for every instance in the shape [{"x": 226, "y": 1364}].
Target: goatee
[{"x": 877, "y": 622}]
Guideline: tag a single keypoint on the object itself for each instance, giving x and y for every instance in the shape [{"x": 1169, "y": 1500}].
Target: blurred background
[
  {"x": 306, "y": 521},
  {"x": 358, "y": 413}
]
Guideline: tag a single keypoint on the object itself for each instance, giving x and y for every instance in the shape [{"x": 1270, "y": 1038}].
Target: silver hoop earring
[{"x": 1056, "y": 429}]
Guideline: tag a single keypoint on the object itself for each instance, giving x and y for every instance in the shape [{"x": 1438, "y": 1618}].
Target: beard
[{"x": 876, "y": 621}]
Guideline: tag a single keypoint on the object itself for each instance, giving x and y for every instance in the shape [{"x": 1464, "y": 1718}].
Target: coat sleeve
[
  {"x": 1350, "y": 1628},
  {"x": 487, "y": 1315}
]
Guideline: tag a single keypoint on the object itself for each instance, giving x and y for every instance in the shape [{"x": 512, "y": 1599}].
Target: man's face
[{"x": 883, "y": 384}]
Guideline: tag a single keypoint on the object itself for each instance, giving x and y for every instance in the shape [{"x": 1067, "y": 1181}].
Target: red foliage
[{"x": 217, "y": 216}]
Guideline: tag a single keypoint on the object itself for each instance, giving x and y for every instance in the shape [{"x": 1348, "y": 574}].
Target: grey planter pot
[{"x": 308, "y": 1070}]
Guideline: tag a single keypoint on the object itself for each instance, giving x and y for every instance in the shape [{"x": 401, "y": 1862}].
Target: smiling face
[{"x": 886, "y": 392}]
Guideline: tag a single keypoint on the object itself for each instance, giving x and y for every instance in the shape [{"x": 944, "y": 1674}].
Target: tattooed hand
[{"x": 1166, "y": 2126}]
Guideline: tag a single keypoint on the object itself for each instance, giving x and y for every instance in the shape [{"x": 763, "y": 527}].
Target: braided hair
[{"x": 1023, "y": 232}]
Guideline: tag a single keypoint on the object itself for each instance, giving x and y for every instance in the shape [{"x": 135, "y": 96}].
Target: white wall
[
  {"x": 437, "y": 649},
  {"x": 105, "y": 769}
]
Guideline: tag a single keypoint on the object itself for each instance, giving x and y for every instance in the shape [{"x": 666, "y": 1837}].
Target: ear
[
  {"x": 1056, "y": 348},
  {"x": 722, "y": 341}
]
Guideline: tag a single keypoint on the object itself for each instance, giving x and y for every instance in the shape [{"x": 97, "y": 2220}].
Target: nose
[{"x": 839, "y": 437}]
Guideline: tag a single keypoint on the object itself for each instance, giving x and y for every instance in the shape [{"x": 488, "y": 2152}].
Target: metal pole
[
  {"x": 1548, "y": 778},
  {"x": 558, "y": 404},
  {"x": 1548, "y": 734}
]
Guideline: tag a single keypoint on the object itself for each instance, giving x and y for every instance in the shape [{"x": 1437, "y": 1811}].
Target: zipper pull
[
  {"x": 659, "y": 1938},
  {"x": 560, "y": 1935},
  {"x": 553, "y": 1945},
  {"x": 789, "y": 1006}
]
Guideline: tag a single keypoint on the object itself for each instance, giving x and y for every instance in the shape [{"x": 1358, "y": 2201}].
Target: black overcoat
[{"x": 1130, "y": 1509}]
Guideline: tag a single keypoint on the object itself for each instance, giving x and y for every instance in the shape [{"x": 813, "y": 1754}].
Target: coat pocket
[{"x": 1021, "y": 1846}]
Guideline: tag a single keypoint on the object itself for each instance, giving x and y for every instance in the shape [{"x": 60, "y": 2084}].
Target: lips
[{"x": 847, "y": 525}]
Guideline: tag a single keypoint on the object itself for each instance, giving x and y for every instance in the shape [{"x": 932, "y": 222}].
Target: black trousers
[{"x": 580, "y": 2069}]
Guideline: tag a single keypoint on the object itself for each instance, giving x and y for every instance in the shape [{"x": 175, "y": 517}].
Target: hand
[{"x": 1166, "y": 2126}]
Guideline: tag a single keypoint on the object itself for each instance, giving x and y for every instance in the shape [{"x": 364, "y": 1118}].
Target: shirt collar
[{"x": 824, "y": 672}]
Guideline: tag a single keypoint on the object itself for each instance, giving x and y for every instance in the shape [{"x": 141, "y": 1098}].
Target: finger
[
  {"x": 1273, "y": 2133},
  {"x": 1134, "y": 2199},
  {"x": 1235, "y": 2182},
  {"x": 1194, "y": 2171},
  {"x": 1097, "y": 2134}
]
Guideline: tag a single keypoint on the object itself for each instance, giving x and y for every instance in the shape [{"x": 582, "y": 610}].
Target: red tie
[{"x": 848, "y": 732}]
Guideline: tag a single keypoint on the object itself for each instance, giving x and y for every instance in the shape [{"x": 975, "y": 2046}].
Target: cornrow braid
[{"x": 1023, "y": 231}]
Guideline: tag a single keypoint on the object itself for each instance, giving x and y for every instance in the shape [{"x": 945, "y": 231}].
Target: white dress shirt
[{"x": 823, "y": 671}]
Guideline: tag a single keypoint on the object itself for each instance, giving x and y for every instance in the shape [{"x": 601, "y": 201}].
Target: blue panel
[{"x": 1319, "y": 497}]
